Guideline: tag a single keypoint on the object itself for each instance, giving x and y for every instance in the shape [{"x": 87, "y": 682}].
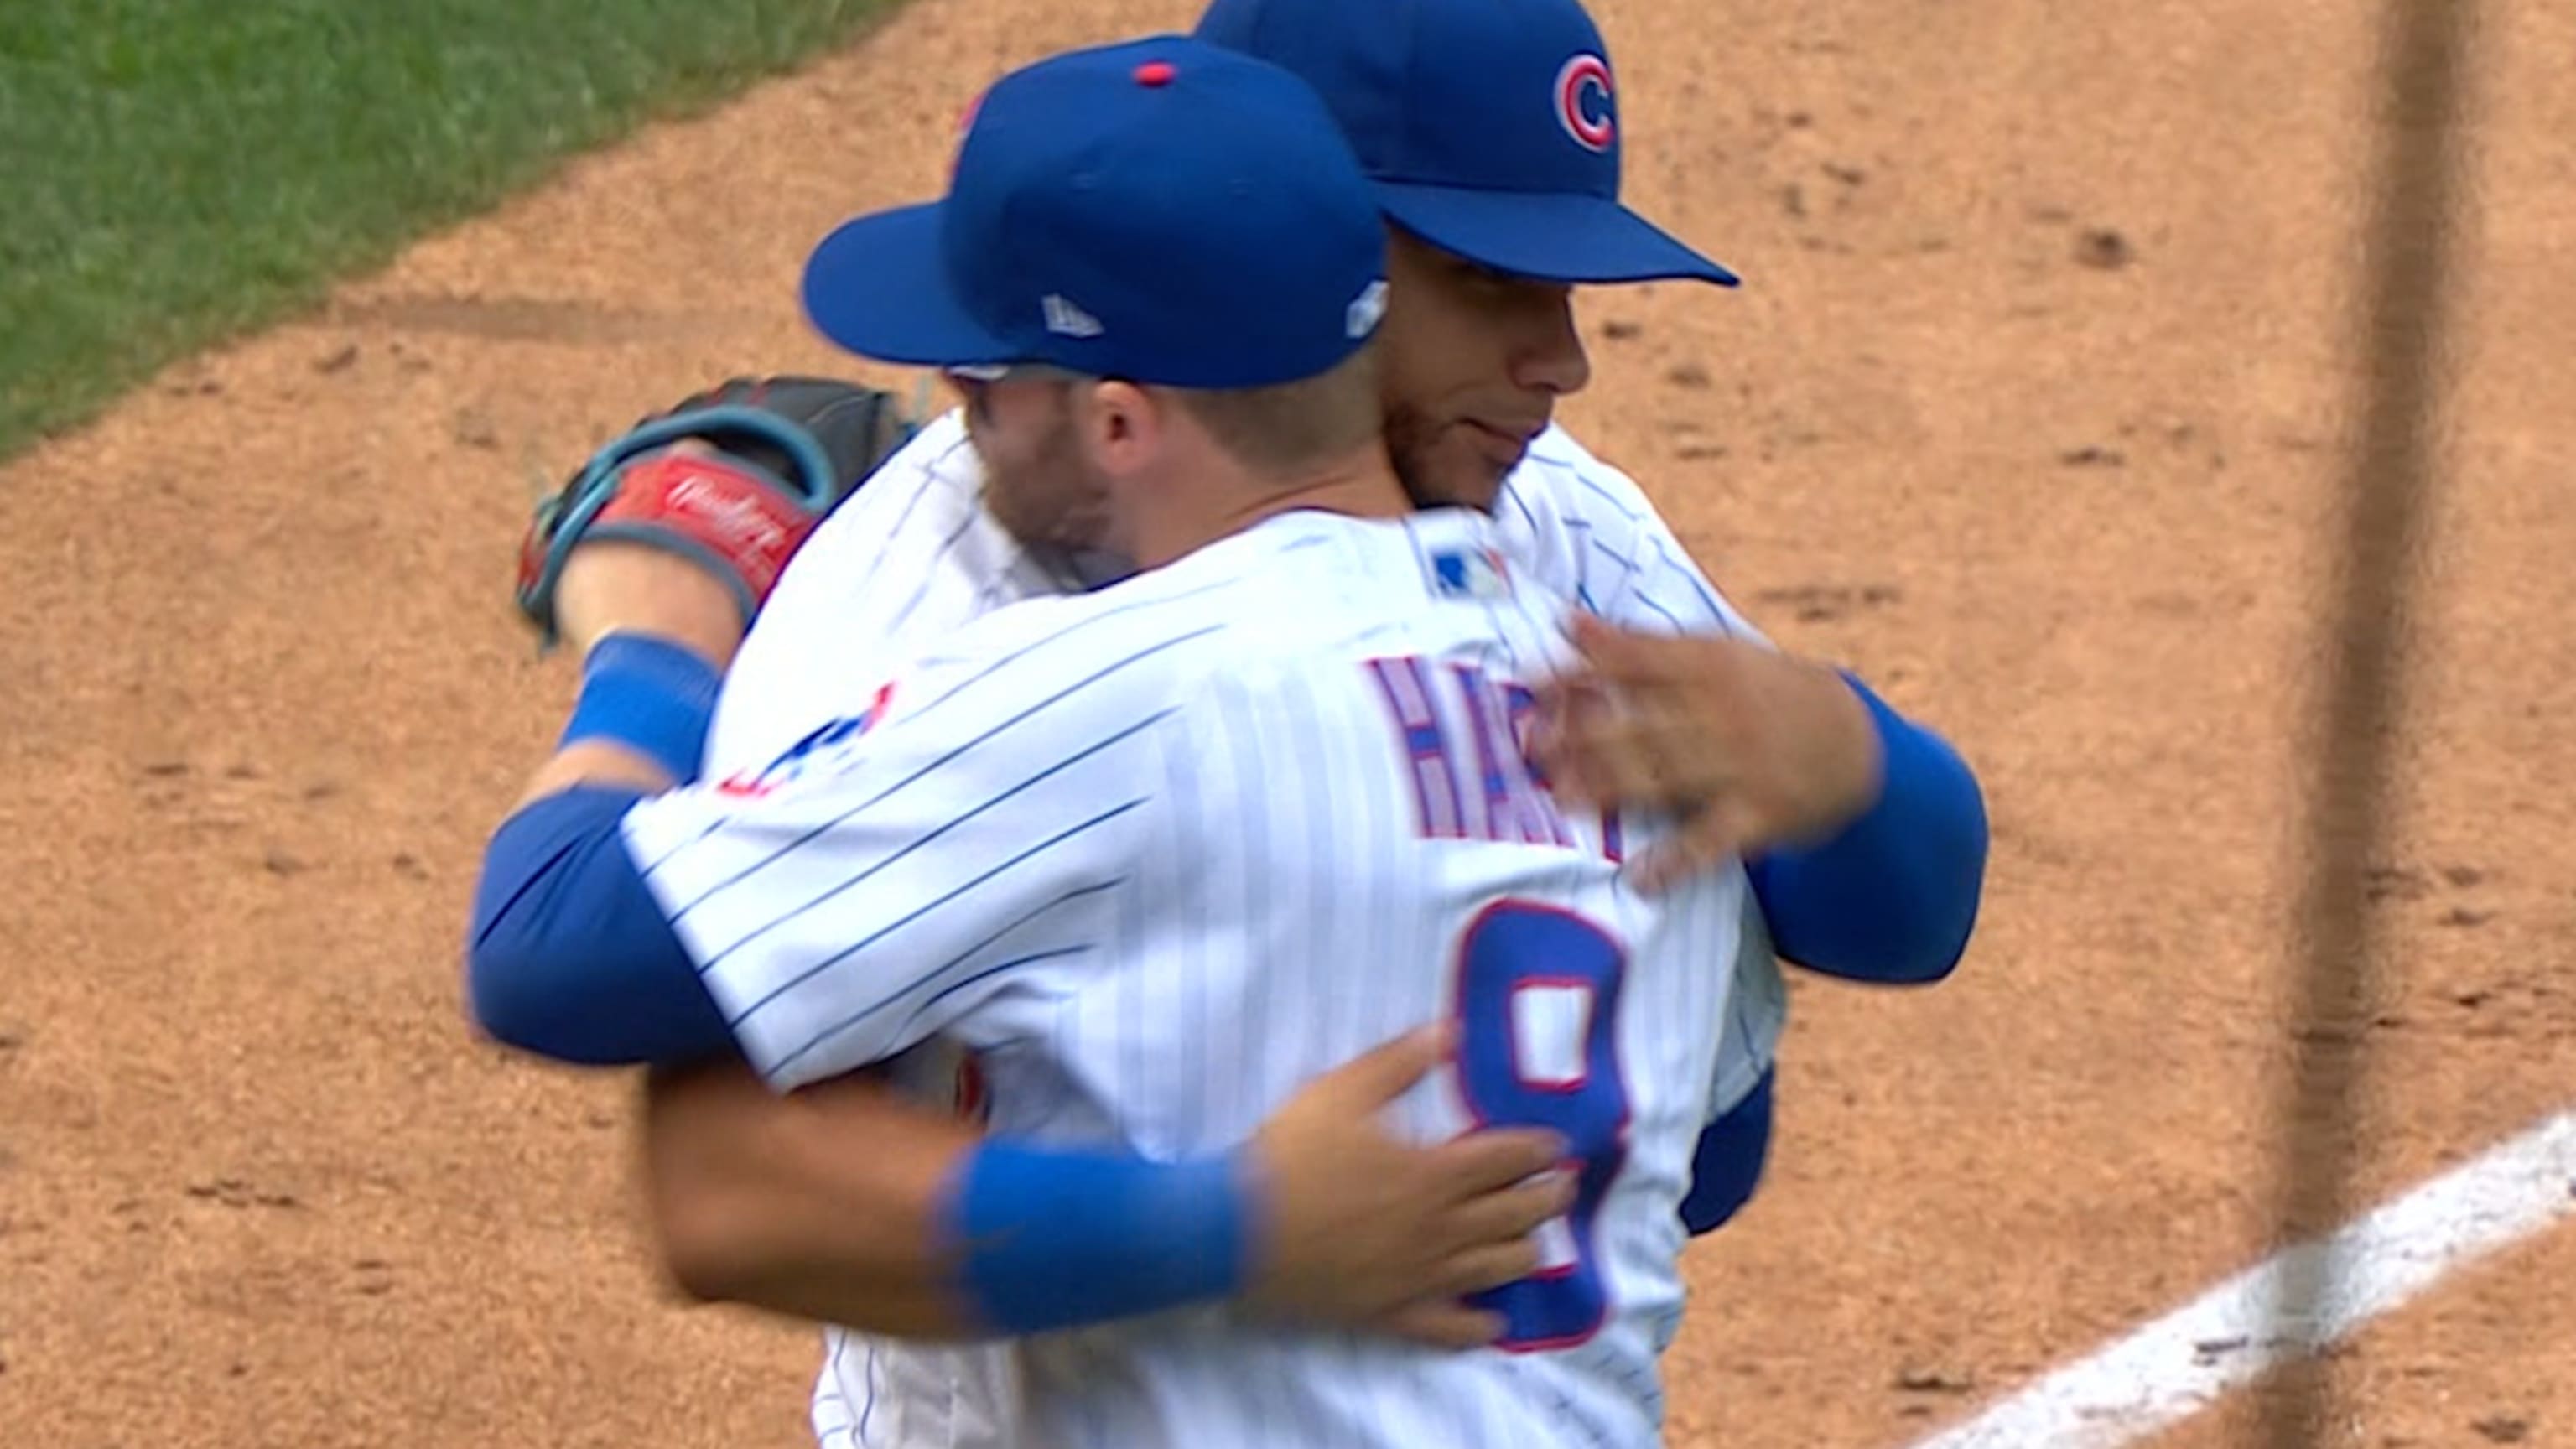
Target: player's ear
[{"x": 1121, "y": 425}]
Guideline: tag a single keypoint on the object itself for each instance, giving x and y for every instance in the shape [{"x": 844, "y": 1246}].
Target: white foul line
[{"x": 2170, "y": 1369}]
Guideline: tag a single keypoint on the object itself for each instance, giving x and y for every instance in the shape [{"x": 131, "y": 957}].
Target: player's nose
[{"x": 1551, "y": 358}]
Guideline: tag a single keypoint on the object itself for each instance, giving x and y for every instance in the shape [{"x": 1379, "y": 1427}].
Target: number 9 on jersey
[{"x": 1538, "y": 1046}]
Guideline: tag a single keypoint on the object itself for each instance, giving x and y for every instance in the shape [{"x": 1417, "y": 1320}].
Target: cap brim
[
  {"x": 879, "y": 287},
  {"x": 1551, "y": 235}
]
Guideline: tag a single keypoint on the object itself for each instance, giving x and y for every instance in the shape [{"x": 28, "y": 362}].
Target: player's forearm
[
  {"x": 641, "y": 719},
  {"x": 594, "y": 762},
  {"x": 844, "y": 1203},
  {"x": 822, "y": 1204},
  {"x": 1892, "y": 897}
]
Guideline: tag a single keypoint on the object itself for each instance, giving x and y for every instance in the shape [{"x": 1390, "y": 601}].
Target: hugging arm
[{"x": 824, "y": 1195}]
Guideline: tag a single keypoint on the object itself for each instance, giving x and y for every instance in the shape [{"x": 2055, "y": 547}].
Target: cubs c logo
[{"x": 1583, "y": 103}]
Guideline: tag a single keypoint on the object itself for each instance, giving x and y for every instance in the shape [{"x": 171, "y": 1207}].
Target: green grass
[{"x": 178, "y": 171}]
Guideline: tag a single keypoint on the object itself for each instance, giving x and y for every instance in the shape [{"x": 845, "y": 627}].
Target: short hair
[{"x": 1288, "y": 425}]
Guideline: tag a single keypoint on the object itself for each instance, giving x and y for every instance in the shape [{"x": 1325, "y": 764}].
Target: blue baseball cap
[
  {"x": 1491, "y": 127},
  {"x": 1159, "y": 210}
]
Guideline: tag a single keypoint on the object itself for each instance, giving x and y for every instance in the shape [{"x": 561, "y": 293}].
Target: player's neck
[{"x": 1360, "y": 484}]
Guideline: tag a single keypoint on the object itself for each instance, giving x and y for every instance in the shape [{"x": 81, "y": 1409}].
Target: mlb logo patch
[{"x": 1470, "y": 573}]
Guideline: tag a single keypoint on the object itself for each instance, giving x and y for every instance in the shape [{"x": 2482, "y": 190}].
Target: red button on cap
[{"x": 1155, "y": 73}]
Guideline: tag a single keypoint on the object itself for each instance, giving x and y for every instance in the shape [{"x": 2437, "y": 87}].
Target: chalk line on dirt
[{"x": 2169, "y": 1369}]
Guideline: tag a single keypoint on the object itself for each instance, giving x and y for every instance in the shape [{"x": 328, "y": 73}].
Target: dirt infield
[{"x": 2031, "y": 409}]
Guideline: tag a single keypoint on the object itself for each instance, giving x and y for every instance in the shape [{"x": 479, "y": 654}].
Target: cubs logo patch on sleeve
[{"x": 809, "y": 754}]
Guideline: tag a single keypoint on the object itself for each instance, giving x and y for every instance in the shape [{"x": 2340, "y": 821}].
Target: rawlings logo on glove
[
  {"x": 718, "y": 504},
  {"x": 749, "y": 522},
  {"x": 773, "y": 456}
]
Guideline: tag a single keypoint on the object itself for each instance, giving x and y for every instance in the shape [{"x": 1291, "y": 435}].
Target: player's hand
[
  {"x": 1364, "y": 1230},
  {"x": 1750, "y": 748},
  {"x": 614, "y": 585},
  {"x": 734, "y": 478}
]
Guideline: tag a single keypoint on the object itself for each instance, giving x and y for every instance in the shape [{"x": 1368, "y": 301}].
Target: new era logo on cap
[
  {"x": 1064, "y": 319},
  {"x": 1366, "y": 310}
]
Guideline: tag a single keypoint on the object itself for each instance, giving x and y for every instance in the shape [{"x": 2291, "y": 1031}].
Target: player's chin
[{"x": 1463, "y": 468}]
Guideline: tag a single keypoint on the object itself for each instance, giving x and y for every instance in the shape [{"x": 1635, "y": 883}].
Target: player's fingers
[
  {"x": 1511, "y": 1215},
  {"x": 1628, "y": 658},
  {"x": 1553, "y": 706},
  {"x": 1387, "y": 1071},
  {"x": 1675, "y": 747},
  {"x": 1490, "y": 1266},
  {"x": 1538, "y": 737},
  {"x": 1592, "y": 756},
  {"x": 1688, "y": 757},
  {"x": 1495, "y": 1159},
  {"x": 1443, "y": 1324},
  {"x": 1706, "y": 840},
  {"x": 1674, "y": 861},
  {"x": 1620, "y": 769},
  {"x": 1657, "y": 751}
]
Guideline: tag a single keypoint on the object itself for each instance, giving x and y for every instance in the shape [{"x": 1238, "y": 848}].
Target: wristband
[
  {"x": 650, "y": 695},
  {"x": 1055, "y": 1238}
]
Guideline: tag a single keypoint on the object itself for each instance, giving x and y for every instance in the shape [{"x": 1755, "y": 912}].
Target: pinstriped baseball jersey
[
  {"x": 912, "y": 557},
  {"x": 1161, "y": 853}
]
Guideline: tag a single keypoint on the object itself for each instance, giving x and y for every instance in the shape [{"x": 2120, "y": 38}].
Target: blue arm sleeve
[
  {"x": 570, "y": 956},
  {"x": 1728, "y": 1164},
  {"x": 1053, "y": 1238},
  {"x": 1893, "y": 897}
]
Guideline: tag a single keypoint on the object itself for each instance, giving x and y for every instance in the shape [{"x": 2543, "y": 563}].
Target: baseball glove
[{"x": 786, "y": 451}]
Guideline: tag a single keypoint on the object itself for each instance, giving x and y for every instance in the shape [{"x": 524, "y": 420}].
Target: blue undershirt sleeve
[
  {"x": 1728, "y": 1163},
  {"x": 570, "y": 956},
  {"x": 1891, "y": 898}
]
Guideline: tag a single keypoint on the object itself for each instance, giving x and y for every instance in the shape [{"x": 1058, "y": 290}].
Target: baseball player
[
  {"x": 1880, "y": 885},
  {"x": 1162, "y": 852}
]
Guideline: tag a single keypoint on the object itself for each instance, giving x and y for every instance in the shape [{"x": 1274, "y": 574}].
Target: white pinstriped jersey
[
  {"x": 912, "y": 557},
  {"x": 1161, "y": 853}
]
